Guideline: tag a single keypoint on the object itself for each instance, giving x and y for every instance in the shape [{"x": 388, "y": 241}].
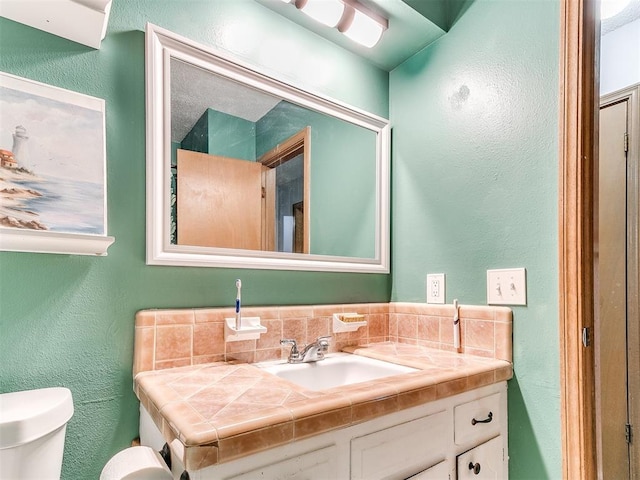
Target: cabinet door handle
[
  {"x": 475, "y": 467},
  {"x": 486, "y": 420}
]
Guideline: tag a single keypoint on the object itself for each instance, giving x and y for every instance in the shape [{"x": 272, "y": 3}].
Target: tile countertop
[{"x": 223, "y": 411}]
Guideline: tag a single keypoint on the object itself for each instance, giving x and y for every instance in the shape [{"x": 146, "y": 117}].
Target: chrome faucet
[{"x": 313, "y": 352}]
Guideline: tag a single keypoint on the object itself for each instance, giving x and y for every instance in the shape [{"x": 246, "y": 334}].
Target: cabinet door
[
  {"x": 401, "y": 451},
  {"x": 439, "y": 471},
  {"x": 486, "y": 461},
  {"x": 308, "y": 466}
]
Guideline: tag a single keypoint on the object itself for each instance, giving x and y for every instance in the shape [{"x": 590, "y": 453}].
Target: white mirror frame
[{"x": 161, "y": 47}]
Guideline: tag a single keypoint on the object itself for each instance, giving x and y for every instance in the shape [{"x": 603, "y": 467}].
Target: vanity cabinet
[
  {"x": 436, "y": 440},
  {"x": 414, "y": 450}
]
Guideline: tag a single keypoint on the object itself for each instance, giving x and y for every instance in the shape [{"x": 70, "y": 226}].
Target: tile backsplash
[{"x": 181, "y": 337}]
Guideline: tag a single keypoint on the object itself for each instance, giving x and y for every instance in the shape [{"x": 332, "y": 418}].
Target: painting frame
[{"x": 53, "y": 175}]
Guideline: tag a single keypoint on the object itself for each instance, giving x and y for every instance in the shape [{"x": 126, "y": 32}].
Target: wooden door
[
  {"x": 219, "y": 201},
  {"x": 611, "y": 311}
]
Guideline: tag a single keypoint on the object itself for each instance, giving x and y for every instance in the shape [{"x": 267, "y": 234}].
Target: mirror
[{"x": 244, "y": 171}]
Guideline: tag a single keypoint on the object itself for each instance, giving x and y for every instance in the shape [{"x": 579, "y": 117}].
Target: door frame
[
  {"x": 579, "y": 116},
  {"x": 291, "y": 147},
  {"x": 579, "y": 66}
]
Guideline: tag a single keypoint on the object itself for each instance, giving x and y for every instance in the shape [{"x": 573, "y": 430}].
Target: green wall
[
  {"x": 343, "y": 205},
  {"x": 231, "y": 136},
  {"x": 68, "y": 320},
  {"x": 475, "y": 174}
]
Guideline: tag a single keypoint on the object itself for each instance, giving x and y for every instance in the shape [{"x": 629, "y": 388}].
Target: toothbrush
[
  {"x": 238, "y": 316},
  {"x": 456, "y": 326}
]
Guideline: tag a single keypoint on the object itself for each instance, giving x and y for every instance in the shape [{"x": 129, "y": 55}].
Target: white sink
[{"x": 334, "y": 371}]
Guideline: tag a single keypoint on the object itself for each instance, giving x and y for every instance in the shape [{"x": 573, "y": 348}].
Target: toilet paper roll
[{"x": 136, "y": 463}]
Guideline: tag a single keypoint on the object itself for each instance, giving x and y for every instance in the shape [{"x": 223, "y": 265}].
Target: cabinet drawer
[
  {"x": 486, "y": 461},
  {"x": 477, "y": 420},
  {"x": 401, "y": 451}
]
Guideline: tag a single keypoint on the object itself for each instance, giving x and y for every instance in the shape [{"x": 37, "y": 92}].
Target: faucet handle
[
  {"x": 323, "y": 342},
  {"x": 292, "y": 342},
  {"x": 294, "y": 354}
]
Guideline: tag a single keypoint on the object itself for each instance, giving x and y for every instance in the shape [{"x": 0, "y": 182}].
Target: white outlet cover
[
  {"x": 435, "y": 288},
  {"x": 507, "y": 286}
]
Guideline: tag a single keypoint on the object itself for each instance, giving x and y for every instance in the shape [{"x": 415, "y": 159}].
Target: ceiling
[{"x": 194, "y": 90}]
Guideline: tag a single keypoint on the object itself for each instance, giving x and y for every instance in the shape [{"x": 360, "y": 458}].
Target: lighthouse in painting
[{"x": 20, "y": 148}]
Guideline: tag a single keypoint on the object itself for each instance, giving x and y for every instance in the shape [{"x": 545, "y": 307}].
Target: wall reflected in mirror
[{"x": 253, "y": 171}]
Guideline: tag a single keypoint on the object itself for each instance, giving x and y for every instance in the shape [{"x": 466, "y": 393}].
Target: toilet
[{"x": 33, "y": 424}]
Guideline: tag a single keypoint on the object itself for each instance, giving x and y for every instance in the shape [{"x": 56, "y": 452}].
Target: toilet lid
[{"x": 28, "y": 415}]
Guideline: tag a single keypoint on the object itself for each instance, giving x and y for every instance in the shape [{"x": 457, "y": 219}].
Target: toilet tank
[{"x": 32, "y": 431}]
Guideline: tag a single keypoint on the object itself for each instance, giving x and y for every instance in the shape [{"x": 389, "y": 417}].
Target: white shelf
[
  {"x": 82, "y": 21},
  {"x": 38, "y": 241},
  {"x": 250, "y": 329}
]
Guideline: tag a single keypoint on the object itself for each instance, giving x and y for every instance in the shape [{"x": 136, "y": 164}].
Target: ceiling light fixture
[
  {"x": 356, "y": 21},
  {"x": 362, "y": 25},
  {"x": 327, "y": 12}
]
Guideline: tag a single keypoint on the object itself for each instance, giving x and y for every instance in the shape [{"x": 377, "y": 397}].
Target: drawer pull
[
  {"x": 486, "y": 420},
  {"x": 475, "y": 467}
]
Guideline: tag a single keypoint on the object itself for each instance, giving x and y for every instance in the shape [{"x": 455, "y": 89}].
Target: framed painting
[{"x": 52, "y": 169}]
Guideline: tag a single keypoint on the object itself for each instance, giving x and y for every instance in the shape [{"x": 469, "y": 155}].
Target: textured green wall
[
  {"x": 475, "y": 174},
  {"x": 68, "y": 320}
]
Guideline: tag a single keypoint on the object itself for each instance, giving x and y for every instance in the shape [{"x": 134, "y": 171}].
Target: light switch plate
[
  {"x": 435, "y": 288},
  {"x": 507, "y": 286}
]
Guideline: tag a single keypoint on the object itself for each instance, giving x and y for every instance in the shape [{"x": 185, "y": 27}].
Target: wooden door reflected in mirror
[{"x": 234, "y": 203}]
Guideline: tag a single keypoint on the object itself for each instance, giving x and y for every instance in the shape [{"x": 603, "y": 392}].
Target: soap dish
[
  {"x": 347, "y": 322},
  {"x": 250, "y": 329}
]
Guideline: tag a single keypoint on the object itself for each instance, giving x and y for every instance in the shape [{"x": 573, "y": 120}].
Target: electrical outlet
[
  {"x": 507, "y": 287},
  {"x": 435, "y": 288}
]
